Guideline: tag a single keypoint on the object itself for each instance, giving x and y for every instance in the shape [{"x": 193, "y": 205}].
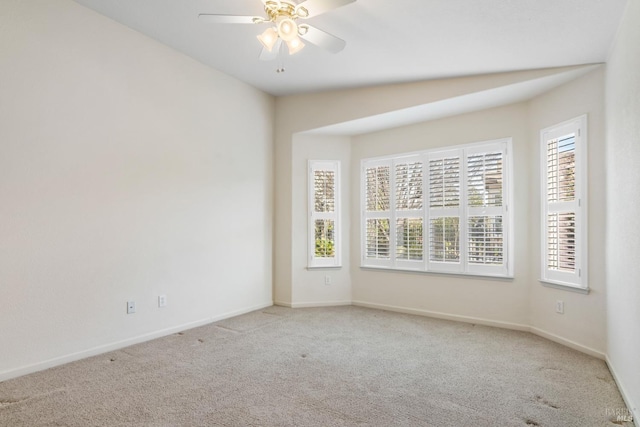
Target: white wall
[
  {"x": 309, "y": 286},
  {"x": 521, "y": 303},
  {"x": 501, "y": 301},
  {"x": 583, "y": 320},
  {"x": 127, "y": 170},
  {"x": 623, "y": 207},
  {"x": 300, "y": 113}
]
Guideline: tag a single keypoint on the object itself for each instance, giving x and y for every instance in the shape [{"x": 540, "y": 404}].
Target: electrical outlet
[
  {"x": 327, "y": 280},
  {"x": 131, "y": 307},
  {"x": 162, "y": 301},
  {"x": 560, "y": 307}
]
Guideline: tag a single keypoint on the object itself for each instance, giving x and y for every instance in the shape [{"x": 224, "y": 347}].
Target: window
[
  {"x": 324, "y": 227},
  {"x": 439, "y": 210},
  {"x": 563, "y": 193}
]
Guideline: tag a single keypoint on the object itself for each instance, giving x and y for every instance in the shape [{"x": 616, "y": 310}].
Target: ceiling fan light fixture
[
  {"x": 295, "y": 45},
  {"x": 287, "y": 29},
  {"x": 268, "y": 38},
  {"x": 282, "y": 17}
]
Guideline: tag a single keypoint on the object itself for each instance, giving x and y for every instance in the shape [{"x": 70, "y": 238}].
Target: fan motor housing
[{"x": 279, "y": 9}]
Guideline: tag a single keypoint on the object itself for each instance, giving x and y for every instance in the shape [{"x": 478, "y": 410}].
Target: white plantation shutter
[
  {"x": 409, "y": 212},
  {"x": 439, "y": 210},
  {"x": 486, "y": 209},
  {"x": 561, "y": 242},
  {"x": 378, "y": 239},
  {"x": 563, "y": 160},
  {"x": 377, "y": 213},
  {"x": 324, "y": 227},
  {"x": 445, "y": 210}
]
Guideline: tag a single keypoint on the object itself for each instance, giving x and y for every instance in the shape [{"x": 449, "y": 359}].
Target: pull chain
[{"x": 280, "y": 68}]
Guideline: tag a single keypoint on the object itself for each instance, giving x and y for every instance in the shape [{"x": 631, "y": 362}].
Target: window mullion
[
  {"x": 426, "y": 197},
  {"x": 555, "y": 207},
  {"x": 392, "y": 214},
  {"x": 464, "y": 244}
]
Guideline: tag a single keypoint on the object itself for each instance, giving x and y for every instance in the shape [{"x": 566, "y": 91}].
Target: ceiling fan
[{"x": 282, "y": 16}]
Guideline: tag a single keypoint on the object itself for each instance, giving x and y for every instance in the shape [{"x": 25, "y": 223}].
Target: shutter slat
[
  {"x": 561, "y": 160},
  {"x": 561, "y": 242},
  {"x": 324, "y": 188},
  {"x": 409, "y": 239},
  {"x": 378, "y": 188},
  {"x": 409, "y": 186},
  {"x": 444, "y": 239},
  {"x": 444, "y": 182},
  {"x": 485, "y": 179},
  {"x": 378, "y": 243},
  {"x": 325, "y": 238},
  {"x": 486, "y": 240}
]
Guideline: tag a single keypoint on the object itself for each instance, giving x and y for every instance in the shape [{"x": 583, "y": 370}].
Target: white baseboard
[
  {"x": 319, "y": 304},
  {"x": 312, "y": 304},
  {"x": 61, "y": 360},
  {"x": 445, "y": 316},
  {"x": 568, "y": 343},
  {"x": 24, "y": 370},
  {"x": 486, "y": 322},
  {"x": 631, "y": 406},
  {"x": 283, "y": 304}
]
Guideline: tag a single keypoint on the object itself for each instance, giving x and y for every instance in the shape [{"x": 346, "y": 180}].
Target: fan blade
[
  {"x": 318, "y": 7},
  {"x": 324, "y": 40},
  {"x": 265, "y": 55},
  {"x": 227, "y": 19}
]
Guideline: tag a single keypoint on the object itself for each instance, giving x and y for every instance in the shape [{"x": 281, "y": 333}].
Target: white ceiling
[
  {"x": 388, "y": 41},
  {"x": 495, "y": 97}
]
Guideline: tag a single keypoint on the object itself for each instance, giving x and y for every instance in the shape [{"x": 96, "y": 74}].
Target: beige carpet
[{"x": 343, "y": 366}]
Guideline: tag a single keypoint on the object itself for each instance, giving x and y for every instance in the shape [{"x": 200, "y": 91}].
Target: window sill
[
  {"x": 437, "y": 273},
  {"x": 325, "y": 267},
  {"x": 565, "y": 287}
]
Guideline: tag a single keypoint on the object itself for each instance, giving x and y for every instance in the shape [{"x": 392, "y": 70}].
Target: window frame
[
  {"x": 314, "y": 261},
  {"x": 578, "y": 280},
  {"x": 426, "y": 265}
]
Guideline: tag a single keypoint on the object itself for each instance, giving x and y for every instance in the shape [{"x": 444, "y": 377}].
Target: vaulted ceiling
[{"x": 388, "y": 41}]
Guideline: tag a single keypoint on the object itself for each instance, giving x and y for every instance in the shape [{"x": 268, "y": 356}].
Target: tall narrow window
[
  {"x": 563, "y": 193},
  {"x": 439, "y": 210},
  {"x": 324, "y": 227}
]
